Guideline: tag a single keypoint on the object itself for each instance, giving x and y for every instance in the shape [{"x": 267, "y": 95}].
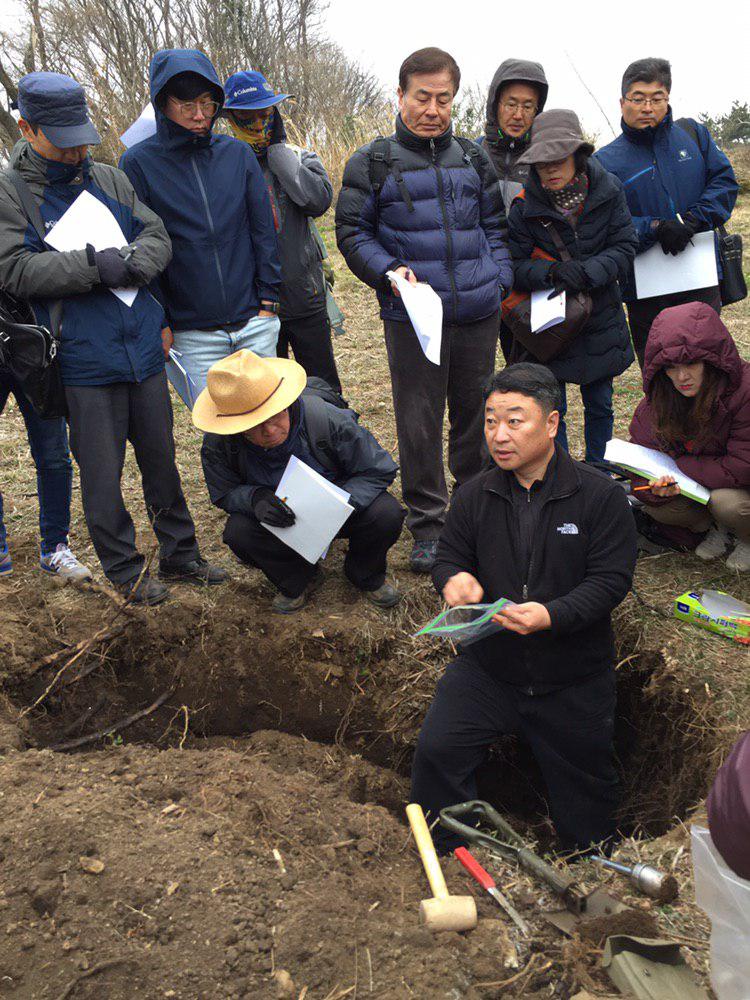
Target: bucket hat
[
  {"x": 555, "y": 135},
  {"x": 57, "y": 104},
  {"x": 244, "y": 389},
  {"x": 250, "y": 91}
]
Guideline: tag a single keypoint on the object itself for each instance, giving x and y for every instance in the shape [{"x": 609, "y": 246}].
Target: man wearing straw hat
[{"x": 253, "y": 411}]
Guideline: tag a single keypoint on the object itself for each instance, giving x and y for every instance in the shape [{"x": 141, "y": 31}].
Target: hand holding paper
[{"x": 425, "y": 310}]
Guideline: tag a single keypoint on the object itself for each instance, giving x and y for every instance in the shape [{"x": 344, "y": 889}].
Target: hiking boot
[
  {"x": 6, "y": 563},
  {"x": 384, "y": 597},
  {"x": 714, "y": 545},
  {"x": 423, "y": 555},
  {"x": 283, "y": 605},
  {"x": 63, "y": 564},
  {"x": 148, "y": 591},
  {"x": 740, "y": 558},
  {"x": 195, "y": 571}
]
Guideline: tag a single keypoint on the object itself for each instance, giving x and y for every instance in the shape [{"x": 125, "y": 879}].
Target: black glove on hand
[
  {"x": 114, "y": 271},
  {"x": 271, "y": 509},
  {"x": 278, "y": 132},
  {"x": 568, "y": 276},
  {"x": 674, "y": 236}
]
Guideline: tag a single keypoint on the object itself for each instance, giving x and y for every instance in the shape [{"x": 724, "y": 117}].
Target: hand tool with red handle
[{"x": 487, "y": 882}]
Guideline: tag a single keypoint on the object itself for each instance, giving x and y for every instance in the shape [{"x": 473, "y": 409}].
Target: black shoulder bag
[{"x": 28, "y": 349}]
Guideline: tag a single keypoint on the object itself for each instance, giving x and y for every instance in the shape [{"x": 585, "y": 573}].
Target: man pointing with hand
[{"x": 555, "y": 537}]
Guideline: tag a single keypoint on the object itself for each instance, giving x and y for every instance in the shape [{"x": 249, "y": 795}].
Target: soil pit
[{"x": 192, "y": 901}]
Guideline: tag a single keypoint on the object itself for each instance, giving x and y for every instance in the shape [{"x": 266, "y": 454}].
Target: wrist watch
[{"x": 271, "y": 307}]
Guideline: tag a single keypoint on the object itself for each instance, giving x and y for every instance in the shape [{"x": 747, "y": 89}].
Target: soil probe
[
  {"x": 487, "y": 882},
  {"x": 442, "y": 912},
  {"x": 647, "y": 879}
]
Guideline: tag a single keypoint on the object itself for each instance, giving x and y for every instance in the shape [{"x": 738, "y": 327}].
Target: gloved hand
[
  {"x": 674, "y": 236},
  {"x": 271, "y": 509},
  {"x": 568, "y": 276},
  {"x": 114, "y": 271},
  {"x": 278, "y": 132}
]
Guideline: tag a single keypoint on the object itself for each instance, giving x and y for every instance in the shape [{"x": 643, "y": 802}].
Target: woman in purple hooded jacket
[{"x": 697, "y": 409}]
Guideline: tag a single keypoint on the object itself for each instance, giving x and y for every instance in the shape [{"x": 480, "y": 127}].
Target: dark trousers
[
  {"x": 48, "y": 441},
  {"x": 310, "y": 339},
  {"x": 420, "y": 390},
  {"x": 103, "y": 418},
  {"x": 643, "y": 312},
  {"x": 371, "y": 532},
  {"x": 570, "y": 732},
  {"x": 598, "y": 417}
]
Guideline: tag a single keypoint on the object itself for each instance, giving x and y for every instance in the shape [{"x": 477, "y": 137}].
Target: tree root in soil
[
  {"x": 111, "y": 963},
  {"x": 116, "y": 726}
]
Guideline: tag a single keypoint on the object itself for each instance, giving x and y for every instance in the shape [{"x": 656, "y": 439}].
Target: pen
[
  {"x": 129, "y": 252},
  {"x": 636, "y": 488},
  {"x": 679, "y": 219}
]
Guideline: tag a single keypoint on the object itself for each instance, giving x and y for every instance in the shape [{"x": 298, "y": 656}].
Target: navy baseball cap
[
  {"x": 249, "y": 91},
  {"x": 57, "y": 104}
]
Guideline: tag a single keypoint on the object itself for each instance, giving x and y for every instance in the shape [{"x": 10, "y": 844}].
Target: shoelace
[{"x": 62, "y": 557}]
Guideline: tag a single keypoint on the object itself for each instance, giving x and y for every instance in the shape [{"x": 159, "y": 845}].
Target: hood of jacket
[
  {"x": 689, "y": 333},
  {"x": 512, "y": 71},
  {"x": 168, "y": 63}
]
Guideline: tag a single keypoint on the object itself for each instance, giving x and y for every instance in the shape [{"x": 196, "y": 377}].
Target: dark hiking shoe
[
  {"x": 196, "y": 571},
  {"x": 146, "y": 591},
  {"x": 283, "y": 605},
  {"x": 423, "y": 555},
  {"x": 384, "y": 597}
]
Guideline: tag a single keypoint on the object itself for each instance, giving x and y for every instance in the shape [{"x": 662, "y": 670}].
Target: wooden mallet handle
[{"x": 426, "y": 849}]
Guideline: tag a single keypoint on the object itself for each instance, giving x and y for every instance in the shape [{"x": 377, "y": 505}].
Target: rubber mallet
[{"x": 442, "y": 912}]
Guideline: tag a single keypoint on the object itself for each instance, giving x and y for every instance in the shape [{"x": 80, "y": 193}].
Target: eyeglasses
[
  {"x": 653, "y": 102},
  {"x": 526, "y": 109},
  {"x": 188, "y": 108}
]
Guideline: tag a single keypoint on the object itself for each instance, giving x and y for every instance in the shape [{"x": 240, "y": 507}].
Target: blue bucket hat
[
  {"x": 57, "y": 104},
  {"x": 249, "y": 91}
]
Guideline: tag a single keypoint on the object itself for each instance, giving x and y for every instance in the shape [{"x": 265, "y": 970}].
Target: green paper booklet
[
  {"x": 652, "y": 464},
  {"x": 465, "y": 623}
]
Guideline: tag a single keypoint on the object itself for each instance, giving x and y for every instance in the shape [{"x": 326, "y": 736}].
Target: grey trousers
[
  {"x": 420, "y": 390},
  {"x": 103, "y": 418}
]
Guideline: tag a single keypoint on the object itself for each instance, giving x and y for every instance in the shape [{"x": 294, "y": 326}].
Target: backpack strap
[
  {"x": 379, "y": 156},
  {"x": 472, "y": 153},
  {"x": 31, "y": 210},
  {"x": 318, "y": 430},
  {"x": 688, "y": 125}
]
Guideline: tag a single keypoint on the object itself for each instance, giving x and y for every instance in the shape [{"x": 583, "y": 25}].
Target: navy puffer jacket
[
  {"x": 451, "y": 235},
  {"x": 604, "y": 241}
]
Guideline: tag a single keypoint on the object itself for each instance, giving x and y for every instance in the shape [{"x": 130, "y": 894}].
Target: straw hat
[
  {"x": 554, "y": 136},
  {"x": 244, "y": 389}
]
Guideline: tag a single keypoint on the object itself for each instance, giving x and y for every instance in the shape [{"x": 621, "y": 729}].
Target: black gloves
[
  {"x": 568, "y": 276},
  {"x": 674, "y": 236},
  {"x": 271, "y": 509},
  {"x": 278, "y": 132},
  {"x": 114, "y": 271}
]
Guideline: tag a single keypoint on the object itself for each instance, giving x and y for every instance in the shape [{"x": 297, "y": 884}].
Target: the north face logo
[
  {"x": 568, "y": 529},
  {"x": 684, "y": 155}
]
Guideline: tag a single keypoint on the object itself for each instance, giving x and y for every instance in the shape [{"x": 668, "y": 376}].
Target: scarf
[
  {"x": 258, "y": 136},
  {"x": 569, "y": 200}
]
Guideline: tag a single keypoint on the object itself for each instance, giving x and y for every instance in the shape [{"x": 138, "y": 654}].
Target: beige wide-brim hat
[{"x": 244, "y": 389}]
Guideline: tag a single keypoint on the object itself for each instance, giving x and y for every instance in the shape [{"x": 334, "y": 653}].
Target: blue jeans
[
  {"x": 48, "y": 440},
  {"x": 202, "y": 348},
  {"x": 598, "y": 417}
]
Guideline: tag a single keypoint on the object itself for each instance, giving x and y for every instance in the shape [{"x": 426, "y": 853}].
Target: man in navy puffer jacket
[
  {"x": 438, "y": 218},
  {"x": 676, "y": 180},
  {"x": 221, "y": 289}
]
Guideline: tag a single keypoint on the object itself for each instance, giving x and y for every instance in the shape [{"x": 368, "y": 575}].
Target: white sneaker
[
  {"x": 740, "y": 558},
  {"x": 715, "y": 544},
  {"x": 64, "y": 565}
]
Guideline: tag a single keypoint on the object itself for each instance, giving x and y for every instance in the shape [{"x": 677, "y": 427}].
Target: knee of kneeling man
[{"x": 236, "y": 530}]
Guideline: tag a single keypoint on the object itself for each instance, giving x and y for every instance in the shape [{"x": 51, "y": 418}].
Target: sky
[{"x": 709, "y": 51}]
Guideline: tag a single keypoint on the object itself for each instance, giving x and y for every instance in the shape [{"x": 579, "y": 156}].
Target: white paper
[
  {"x": 320, "y": 507},
  {"x": 425, "y": 310},
  {"x": 659, "y": 273},
  {"x": 653, "y": 464},
  {"x": 143, "y": 127},
  {"x": 180, "y": 378},
  {"x": 88, "y": 220},
  {"x": 546, "y": 310}
]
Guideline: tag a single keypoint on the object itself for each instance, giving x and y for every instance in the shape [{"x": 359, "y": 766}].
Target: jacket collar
[
  {"x": 565, "y": 478},
  {"x": 419, "y": 143},
  {"x": 175, "y": 137},
  {"x": 647, "y": 136}
]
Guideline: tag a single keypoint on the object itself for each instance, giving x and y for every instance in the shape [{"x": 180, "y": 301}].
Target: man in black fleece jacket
[{"x": 557, "y": 538}]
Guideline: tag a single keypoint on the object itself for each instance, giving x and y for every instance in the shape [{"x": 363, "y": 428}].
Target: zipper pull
[
  {"x": 432, "y": 149},
  {"x": 525, "y": 592}
]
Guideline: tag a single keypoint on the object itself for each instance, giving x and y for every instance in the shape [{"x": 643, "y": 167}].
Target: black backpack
[
  {"x": 316, "y": 394},
  {"x": 381, "y": 164}
]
